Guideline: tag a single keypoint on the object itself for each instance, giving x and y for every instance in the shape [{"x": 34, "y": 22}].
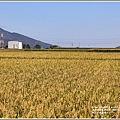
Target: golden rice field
[{"x": 59, "y": 84}]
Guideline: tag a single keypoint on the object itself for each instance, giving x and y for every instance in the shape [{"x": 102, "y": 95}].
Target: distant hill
[{"x": 8, "y": 36}]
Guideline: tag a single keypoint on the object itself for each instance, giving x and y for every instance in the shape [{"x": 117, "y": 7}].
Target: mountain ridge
[{"x": 13, "y": 36}]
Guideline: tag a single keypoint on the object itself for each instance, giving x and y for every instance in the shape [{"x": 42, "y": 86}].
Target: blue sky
[{"x": 85, "y": 24}]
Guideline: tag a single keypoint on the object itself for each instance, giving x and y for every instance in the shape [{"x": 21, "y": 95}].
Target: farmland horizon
[{"x": 71, "y": 45}]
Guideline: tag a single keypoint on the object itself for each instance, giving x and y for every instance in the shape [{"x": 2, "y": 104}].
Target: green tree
[
  {"x": 37, "y": 46},
  {"x": 28, "y": 46},
  {"x": 6, "y": 46},
  {"x": 24, "y": 46}
]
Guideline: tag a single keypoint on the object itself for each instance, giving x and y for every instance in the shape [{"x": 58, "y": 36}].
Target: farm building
[{"x": 14, "y": 45}]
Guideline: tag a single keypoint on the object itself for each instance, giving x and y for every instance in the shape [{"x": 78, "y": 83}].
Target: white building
[{"x": 14, "y": 45}]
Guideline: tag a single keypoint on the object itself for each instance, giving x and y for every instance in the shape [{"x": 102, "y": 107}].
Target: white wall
[
  {"x": 20, "y": 45},
  {"x": 14, "y": 45}
]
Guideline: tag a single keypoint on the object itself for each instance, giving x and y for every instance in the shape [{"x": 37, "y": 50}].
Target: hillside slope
[{"x": 8, "y": 36}]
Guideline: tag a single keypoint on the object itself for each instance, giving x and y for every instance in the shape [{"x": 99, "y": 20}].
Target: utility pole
[
  {"x": 79, "y": 44},
  {"x": 72, "y": 44},
  {"x": 58, "y": 43},
  {"x": 1, "y": 41}
]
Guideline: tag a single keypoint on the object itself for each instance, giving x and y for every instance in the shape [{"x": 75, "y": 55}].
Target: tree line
[
  {"x": 37, "y": 46},
  {"x": 27, "y": 46}
]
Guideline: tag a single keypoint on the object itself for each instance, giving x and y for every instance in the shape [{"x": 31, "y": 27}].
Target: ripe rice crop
[{"x": 59, "y": 84}]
